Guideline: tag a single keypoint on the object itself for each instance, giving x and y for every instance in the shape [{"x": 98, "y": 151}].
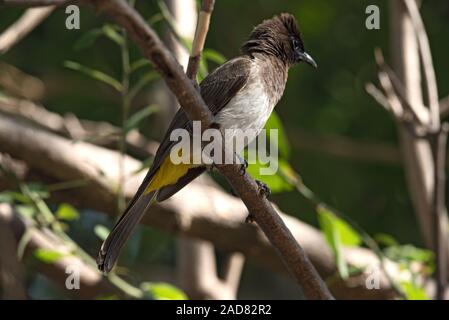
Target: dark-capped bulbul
[{"x": 241, "y": 94}]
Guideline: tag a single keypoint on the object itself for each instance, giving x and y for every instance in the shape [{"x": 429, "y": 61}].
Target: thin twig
[
  {"x": 24, "y": 25},
  {"x": 426, "y": 55},
  {"x": 395, "y": 104},
  {"x": 200, "y": 38},
  {"x": 419, "y": 112},
  {"x": 378, "y": 96}
]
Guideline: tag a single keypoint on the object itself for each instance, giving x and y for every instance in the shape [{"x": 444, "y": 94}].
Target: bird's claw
[
  {"x": 243, "y": 167},
  {"x": 249, "y": 218},
  {"x": 212, "y": 167},
  {"x": 264, "y": 190}
]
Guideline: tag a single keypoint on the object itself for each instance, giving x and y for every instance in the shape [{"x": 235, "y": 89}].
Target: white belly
[{"x": 248, "y": 111}]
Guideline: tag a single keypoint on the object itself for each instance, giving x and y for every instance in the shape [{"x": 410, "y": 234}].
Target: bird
[{"x": 241, "y": 94}]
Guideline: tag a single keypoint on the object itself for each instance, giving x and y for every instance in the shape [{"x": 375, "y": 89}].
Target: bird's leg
[
  {"x": 250, "y": 218},
  {"x": 264, "y": 190},
  {"x": 213, "y": 166},
  {"x": 243, "y": 163}
]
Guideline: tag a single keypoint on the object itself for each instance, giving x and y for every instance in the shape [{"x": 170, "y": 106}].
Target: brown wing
[{"x": 217, "y": 89}]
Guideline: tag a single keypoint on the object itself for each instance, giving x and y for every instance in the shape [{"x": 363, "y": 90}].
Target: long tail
[{"x": 112, "y": 246}]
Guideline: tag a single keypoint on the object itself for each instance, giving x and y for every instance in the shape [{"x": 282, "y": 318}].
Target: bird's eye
[{"x": 295, "y": 43}]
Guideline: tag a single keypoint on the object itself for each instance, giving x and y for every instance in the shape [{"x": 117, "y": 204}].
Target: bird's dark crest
[{"x": 274, "y": 37}]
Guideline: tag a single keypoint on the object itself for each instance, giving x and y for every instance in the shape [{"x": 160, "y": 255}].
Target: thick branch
[
  {"x": 217, "y": 218},
  {"x": 69, "y": 126}
]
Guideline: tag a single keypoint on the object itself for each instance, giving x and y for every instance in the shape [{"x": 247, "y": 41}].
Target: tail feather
[{"x": 112, "y": 246}]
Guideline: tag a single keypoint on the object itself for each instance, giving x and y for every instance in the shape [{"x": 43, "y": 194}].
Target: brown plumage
[
  {"x": 276, "y": 37},
  {"x": 240, "y": 94}
]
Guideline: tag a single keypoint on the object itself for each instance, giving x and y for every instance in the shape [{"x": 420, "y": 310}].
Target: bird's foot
[
  {"x": 250, "y": 218},
  {"x": 212, "y": 167},
  {"x": 264, "y": 190},
  {"x": 243, "y": 164}
]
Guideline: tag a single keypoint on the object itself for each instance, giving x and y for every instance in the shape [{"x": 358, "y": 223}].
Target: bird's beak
[{"x": 304, "y": 56}]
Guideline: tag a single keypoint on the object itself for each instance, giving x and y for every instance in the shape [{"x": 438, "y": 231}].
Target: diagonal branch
[
  {"x": 264, "y": 213},
  {"x": 217, "y": 218},
  {"x": 197, "y": 263},
  {"x": 426, "y": 55},
  {"x": 24, "y": 25},
  {"x": 192, "y": 103}
]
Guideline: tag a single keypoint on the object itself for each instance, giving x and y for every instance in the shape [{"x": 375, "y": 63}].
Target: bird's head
[{"x": 279, "y": 37}]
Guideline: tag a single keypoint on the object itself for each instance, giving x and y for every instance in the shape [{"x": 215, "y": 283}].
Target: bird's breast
[{"x": 248, "y": 111}]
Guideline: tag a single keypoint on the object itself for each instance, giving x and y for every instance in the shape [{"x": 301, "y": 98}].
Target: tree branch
[
  {"x": 200, "y": 38},
  {"x": 91, "y": 281},
  {"x": 192, "y": 103},
  {"x": 426, "y": 55},
  {"x": 24, "y": 25},
  {"x": 217, "y": 218}
]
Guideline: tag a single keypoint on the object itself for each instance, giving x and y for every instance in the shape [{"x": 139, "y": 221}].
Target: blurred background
[{"x": 339, "y": 140}]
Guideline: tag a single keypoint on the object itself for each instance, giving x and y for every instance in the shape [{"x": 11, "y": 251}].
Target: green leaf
[
  {"x": 94, "y": 74},
  {"x": 155, "y": 18},
  {"x": 214, "y": 56},
  {"x": 67, "y": 212},
  {"x": 276, "y": 182},
  {"x": 38, "y": 189},
  {"x": 349, "y": 237},
  {"x": 163, "y": 291},
  {"x": 111, "y": 32},
  {"x": 48, "y": 256},
  {"x": 142, "y": 82},
  {"x": 413, "y": 292},
  {"x": 108, "y": 297},
  {"x": 408, "y": 253},
  {"x": 338, "y": 234},
  {"x": 274, "y": 122},
  {"x": 136, "y": 118},
  {"x": 6, "y": 197},
  {"x": 27, "y": 211},
  {"x": 19, "y": 197},
  {"x": 101, "y": 232},
  {"x": 288, "y": 173},
  {"x": 87, "y": 39},
  {"x": 386, "y": 240},
  {"x": 23, "y": 242},
  {"x": 139, "y": 64}
]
